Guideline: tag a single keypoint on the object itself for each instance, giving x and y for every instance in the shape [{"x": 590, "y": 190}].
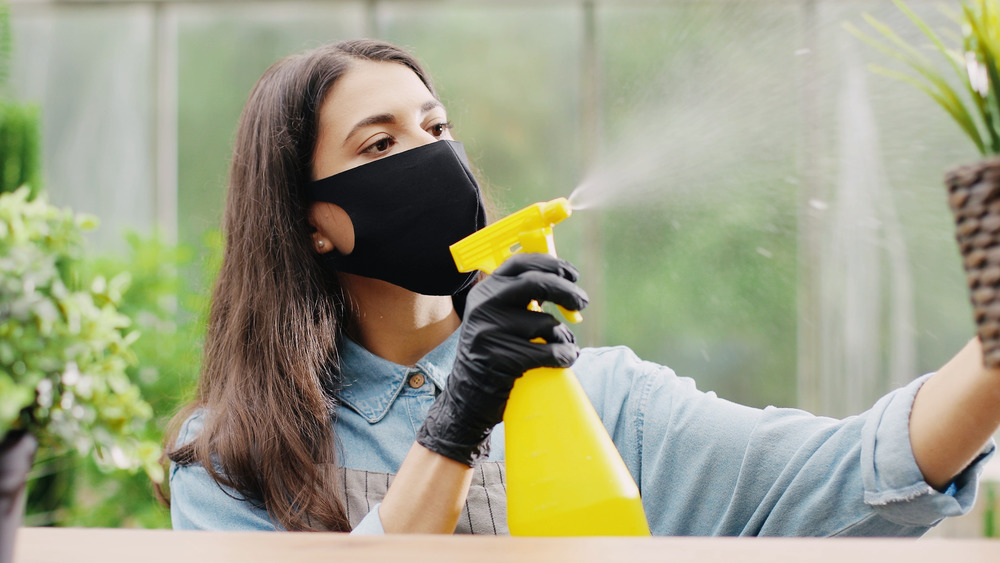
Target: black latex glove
[{"x": 495, "y": 348}]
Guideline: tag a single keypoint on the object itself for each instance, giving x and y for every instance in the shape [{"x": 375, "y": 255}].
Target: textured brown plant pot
[
  {"x": 17, "y": 450},
  {"x": 974, "y": 198}
]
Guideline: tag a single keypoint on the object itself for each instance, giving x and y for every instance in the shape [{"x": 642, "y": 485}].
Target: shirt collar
[{"x": 370, "y": 384}]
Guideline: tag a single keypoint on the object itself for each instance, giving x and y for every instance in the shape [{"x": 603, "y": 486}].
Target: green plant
[
  {"x": 168, "y": 310},
  {"x": 5, "y": 44},
  {"x": 20, "y": 126},
  {"x": 991, "y": 528},
  {"x": 20, "y": 147},
  {"x": 64, "y": 346},
  {"x": 972, "y": 57}
]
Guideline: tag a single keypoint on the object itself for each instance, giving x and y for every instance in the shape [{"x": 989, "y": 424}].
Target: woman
[{"x": 353, "y": 380}]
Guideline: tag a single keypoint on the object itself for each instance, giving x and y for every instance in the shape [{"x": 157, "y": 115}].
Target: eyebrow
[{"x": 387, "y": 118}]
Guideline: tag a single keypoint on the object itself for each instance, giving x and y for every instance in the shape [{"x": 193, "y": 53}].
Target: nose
[{"x": 422, "y": 137}]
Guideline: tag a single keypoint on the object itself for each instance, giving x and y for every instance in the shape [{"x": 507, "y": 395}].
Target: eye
[
  {"x": 439, "y": 129},
  {"x": 380, "y": 146}
]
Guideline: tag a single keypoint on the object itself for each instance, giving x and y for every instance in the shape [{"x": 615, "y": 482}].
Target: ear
[
  {"x": 334, "y": 229},
  {"x": 320, "y": 243},
  {"x": 313, "y": 216}
]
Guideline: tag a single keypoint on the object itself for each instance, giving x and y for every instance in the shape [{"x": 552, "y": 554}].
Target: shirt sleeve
[
  {"x": 198, "y": 502},
  {"x": 707, "y": 466}
]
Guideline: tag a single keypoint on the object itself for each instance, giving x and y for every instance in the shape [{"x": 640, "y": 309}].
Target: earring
[{"x": 320, "y": 244}]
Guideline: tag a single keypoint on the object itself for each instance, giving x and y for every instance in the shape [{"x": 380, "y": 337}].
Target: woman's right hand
[{"x": 495, "y": 348}]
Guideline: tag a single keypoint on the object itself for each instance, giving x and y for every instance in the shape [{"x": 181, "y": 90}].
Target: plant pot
[
  {"x": 974, "y": 198},
  {"x": 17, "y": 451}
]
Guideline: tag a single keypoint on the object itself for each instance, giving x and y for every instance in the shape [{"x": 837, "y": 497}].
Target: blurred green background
[{"x": 769, "y": 218}]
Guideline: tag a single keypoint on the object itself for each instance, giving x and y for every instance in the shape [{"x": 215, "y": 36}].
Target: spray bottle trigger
[{"x": 570, "y": 316}]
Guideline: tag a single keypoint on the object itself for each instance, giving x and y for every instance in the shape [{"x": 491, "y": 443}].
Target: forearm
[
  {"x": 954, "y": 414},
  {"x": 427, "y": 495}
]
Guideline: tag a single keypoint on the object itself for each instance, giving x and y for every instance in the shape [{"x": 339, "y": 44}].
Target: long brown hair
[{"x": 271, "y": 349}]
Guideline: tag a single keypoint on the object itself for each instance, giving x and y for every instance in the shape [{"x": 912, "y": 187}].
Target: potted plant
[
  {"x": 974, "y": 104},
  {"x": 64, "y": 348}
]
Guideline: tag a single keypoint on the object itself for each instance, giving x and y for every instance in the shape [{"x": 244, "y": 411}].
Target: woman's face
[{"x": 374, "y": 110}]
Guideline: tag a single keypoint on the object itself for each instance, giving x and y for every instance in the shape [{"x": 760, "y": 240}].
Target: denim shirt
[{"x": 704, "y": 465}]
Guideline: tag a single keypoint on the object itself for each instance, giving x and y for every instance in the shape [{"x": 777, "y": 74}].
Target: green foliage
[
  {"x": 991, "y": 528},
  {"x": 5, "y": 44},
  {"x": 170, "y": 315},
  {"x": 20, "y": 147},
  {"x": 972, "y": 58},
  {"x": 168, "y": 312},
  {"x": 64, "y": 345},
  {"x": 20, "y": 126}
]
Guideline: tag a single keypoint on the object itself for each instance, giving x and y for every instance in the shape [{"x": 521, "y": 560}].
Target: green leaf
[
  {"x": 13, "y": 399},
  {"x": 922, "y": 25},
  {"x": 907, "y": 52},
  {"x": 63, "y": 342},
  {"x": 979, "y": 42},
  {"x": 918, "y": 62},
  {"x": 5, "y": 47},
  {"x": 980, "y": 38},
  {"x": 957, "y": 110}
]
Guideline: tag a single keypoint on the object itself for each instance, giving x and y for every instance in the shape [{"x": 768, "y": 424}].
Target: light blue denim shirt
[{"x": 704, "y": 465}]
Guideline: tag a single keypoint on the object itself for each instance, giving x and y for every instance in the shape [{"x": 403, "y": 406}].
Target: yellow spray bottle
[{"x": 564, "y": 475}]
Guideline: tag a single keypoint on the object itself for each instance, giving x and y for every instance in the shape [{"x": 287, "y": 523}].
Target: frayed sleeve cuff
[{"x": 894, "y": 485}]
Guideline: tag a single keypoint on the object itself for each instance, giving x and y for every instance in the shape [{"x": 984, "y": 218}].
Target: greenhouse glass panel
[{"x": 91, "y": 71}]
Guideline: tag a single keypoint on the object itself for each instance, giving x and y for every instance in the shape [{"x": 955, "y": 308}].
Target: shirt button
[{"x": 416, "y": 380}]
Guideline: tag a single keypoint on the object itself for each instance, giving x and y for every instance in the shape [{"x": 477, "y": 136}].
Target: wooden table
[{"x": 61, "y": 545}]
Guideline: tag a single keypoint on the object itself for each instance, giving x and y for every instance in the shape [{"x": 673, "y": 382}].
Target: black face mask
[{"x": 407, "y": 209}]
